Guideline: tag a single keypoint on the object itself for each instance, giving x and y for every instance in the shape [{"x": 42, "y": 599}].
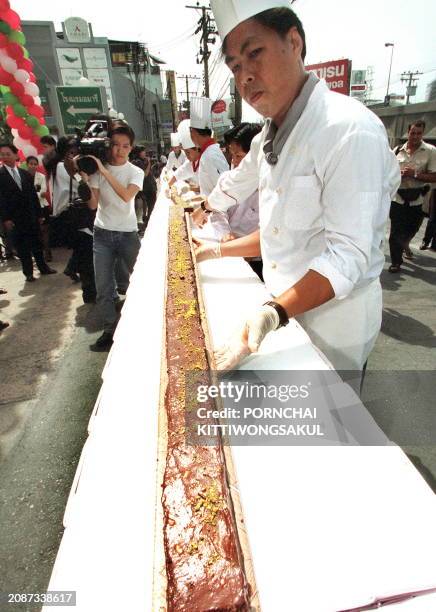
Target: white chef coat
[
  {"x": 324, "y": 207},
  {"x": 239, "y": 220},
  {"x": 186, "y": 172},
  {"x": 175, "y": 162},
  {"x": 212, "y": 164}
]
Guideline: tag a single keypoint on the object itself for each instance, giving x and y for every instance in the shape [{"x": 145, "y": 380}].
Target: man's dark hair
[
  {"x": 281, "y": 20},
  {"x": 64, "y": 145},
  {"x": 10, "y": 146},
  {"x": 120, "y": 127},
  {"x": 30, "y": 157},
  {"x": 243, "y": 135},
  {"x": 205, "y": 132},
  {"x": 48, "y": 140},
  {"x": 419, "y": 123}
]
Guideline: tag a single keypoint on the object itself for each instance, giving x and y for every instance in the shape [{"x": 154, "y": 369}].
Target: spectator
[
  {"x": 146, "y": 198},
  {"x": 417, "y": 161},
  {"x": 21, "y": 212},
  {"x": 114, "y": 188},
  {"x": 429, "y": 239},
  {"x": 3, "y": 324},
  {"x": 40, "y": 183}
]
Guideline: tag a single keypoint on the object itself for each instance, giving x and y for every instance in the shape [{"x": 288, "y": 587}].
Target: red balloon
[
  {"x": 6, "y": 78},
  {"x": 41, "y": 120},
  {"x": 21, "y": 156},
  {"x": 4, "y": 6},
  {"x": 27, "y": 64},
  {"x": 32, "y": 78},
  {"x": 13, "y": 121},
  {"x": 17, "y": 89},
  {"x": 14, "y": 50},
  {"x": 25, "y": 132},
  {"x": 36, "y": 141},
  {"x": 36, "y": 110},
  {"x": 12, "y": 19},
  {"x": 27, "y": 100},
  {"x": 4, "y": 40}
]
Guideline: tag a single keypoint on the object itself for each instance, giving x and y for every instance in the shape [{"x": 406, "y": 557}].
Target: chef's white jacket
[
  {"x": 186, "y": 172},
  {"x": 212, "y": 165},
  {"x": 175, "y": 162},
  {"x": 324, "y": 207},
  {"x": 239, "y": 220}
]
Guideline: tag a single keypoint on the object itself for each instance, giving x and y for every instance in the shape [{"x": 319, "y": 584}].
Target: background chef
[{"x": 325, "y": 175}]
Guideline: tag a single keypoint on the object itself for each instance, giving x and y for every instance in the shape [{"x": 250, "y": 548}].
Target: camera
[{"x": 94, "y": 142}]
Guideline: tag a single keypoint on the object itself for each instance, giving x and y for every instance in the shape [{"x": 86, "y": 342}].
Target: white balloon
[
  {"x": 29, "y": 149},
  {"x": 9, "y": 64},
  {"x": 31, "y": 89},
  {"x": 37, "y": 100},
  {"x": 22, "y": 76},
  {"x": 14, "y": 132},
  {"x": 3, "y": 53},
  {"x": 20, "y": 142},
  {"x": 121, "y": 116}
]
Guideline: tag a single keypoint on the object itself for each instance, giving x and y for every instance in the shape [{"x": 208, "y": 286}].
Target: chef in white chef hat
[
  {"x": 189, "y": 170},
  {"x": 176, "y": 158},
  {"x": 325, "y": 176},
  {"x": 212, "y": 162}
]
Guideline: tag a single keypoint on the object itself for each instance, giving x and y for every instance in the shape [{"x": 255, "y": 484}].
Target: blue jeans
[{"x": 108, "y": 247}]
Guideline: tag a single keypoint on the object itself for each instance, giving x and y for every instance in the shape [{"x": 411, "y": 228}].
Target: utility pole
[
  {"x": 188, "y": 78},
  {"x": 411, "y": 80},
  {"x": 207, "y": 28}
]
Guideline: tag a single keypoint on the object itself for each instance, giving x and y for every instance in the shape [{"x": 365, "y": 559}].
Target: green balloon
[
  {"x": 42, "y": 130},
  {"x": 26, "y": 53},
  {"x": 18, "y": 37},
  {"x": 19, "y": 110},
  {"x": 32, "y": 122},
  {"x": 4, "y": 28},
  {"x": 10, "y": 99}
]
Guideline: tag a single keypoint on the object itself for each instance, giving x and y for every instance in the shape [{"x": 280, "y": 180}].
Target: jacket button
[
  {"x": 273, "y": 265},
  {"x": 275, "y": 230}
]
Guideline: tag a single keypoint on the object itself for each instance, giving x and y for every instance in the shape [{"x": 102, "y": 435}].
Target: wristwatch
[
  {"x": 203, "y": 208},
  {"x": 283, "y": 315}
]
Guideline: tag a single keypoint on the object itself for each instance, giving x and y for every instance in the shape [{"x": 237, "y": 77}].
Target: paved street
[{"x": 50, "y": 380}]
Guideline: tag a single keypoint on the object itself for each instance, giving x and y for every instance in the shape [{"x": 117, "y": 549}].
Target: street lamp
[{"x": 390, "y": 68}]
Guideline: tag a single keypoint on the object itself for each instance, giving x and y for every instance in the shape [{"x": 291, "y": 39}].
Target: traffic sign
[{"x": 77, "y": 105}]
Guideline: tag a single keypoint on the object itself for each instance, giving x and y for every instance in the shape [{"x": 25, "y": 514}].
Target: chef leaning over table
[{"x": 325, "y": 175}]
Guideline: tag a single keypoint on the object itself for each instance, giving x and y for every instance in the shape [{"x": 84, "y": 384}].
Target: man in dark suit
[{"x": 21, "y": 213}]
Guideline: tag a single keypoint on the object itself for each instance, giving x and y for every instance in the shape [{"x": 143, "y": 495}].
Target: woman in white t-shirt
[{"x": 114, "y": 187}]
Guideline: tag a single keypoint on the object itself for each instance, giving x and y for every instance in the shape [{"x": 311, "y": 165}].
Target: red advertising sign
[
  {"x": 219, "y": 107},
  {"x": 336, "y": 73}
]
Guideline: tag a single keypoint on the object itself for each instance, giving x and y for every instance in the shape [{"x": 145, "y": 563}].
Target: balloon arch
[{"x": 24, "y": 113}]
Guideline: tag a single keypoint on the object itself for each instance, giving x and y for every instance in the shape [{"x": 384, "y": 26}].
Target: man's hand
[
  {"x": 206, "y": 250},
  {"x": 228, "y": 238},
  {"x": 41, "y": 220},
  {"x": 199, "y": 217},
  {"x": 248, "y": 339},
  {"x": 9, "y": 225},
  {"x": 408, "y": 172}
]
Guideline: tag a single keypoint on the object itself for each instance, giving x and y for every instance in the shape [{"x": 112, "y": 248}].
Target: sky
[{"x": 353, "y": 29}]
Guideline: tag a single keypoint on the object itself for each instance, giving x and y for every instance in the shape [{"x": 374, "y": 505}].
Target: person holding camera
[
  {"x": 112, "y": 193},
  {"x": 40, "y": 183}
]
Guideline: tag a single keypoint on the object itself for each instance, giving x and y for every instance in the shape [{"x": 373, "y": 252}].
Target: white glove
[
  {"x": 199, "y": 217},
  {"x": 206, "y": 250},
  {"x": 248, "y": 339}
]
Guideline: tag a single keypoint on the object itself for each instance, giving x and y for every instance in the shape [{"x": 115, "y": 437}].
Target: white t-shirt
[{"x": 113, "y": 213}]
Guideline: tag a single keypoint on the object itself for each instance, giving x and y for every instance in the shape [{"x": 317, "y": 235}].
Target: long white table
[{"x": 330, "y": 528}]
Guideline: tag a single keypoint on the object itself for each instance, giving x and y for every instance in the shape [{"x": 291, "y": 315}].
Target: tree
[{"x": 138, "y": 67}]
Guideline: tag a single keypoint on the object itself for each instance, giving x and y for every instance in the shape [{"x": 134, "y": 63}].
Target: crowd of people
[{"x": 305, "y": 198}]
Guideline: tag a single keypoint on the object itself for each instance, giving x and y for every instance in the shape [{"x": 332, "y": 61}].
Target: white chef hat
[
  {"x": 201, "y": 113},
  {"x": 230, "y": 13},
  {"x": 175, "y": 139},
  {"x": 185, "y": 134}
]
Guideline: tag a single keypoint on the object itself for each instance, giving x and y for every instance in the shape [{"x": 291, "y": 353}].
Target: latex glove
[
  {"x": 248, "y": 339},
  {"x": 199, "y": 217},
  {"x": 206, "y": 250}
]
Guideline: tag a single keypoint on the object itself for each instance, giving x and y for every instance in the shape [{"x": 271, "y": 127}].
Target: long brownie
[{"x": 205, "y": 570}]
